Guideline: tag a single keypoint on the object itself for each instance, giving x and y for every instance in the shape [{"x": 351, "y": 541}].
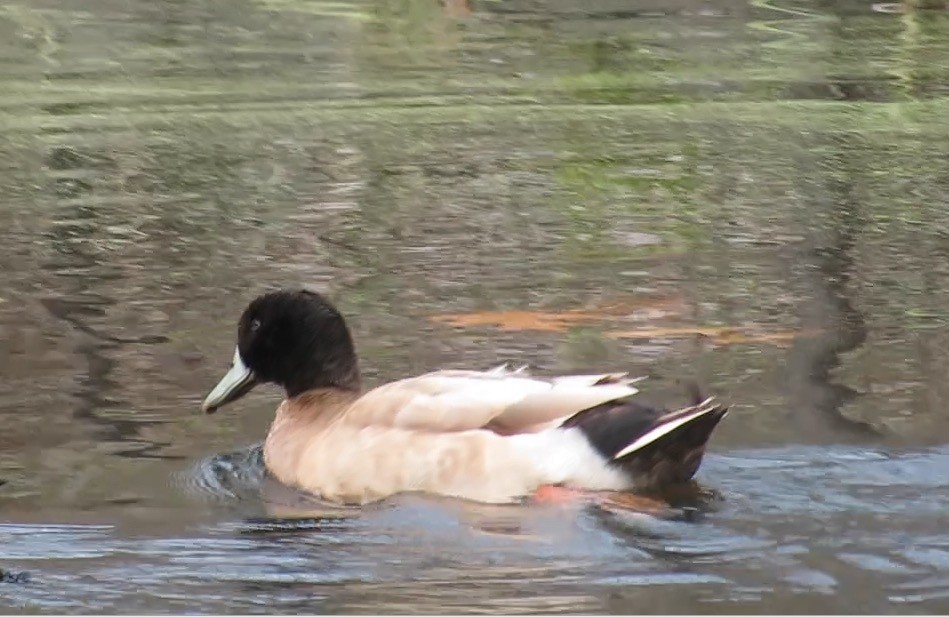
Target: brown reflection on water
[
  {"x": 559, "y": 321},
  {"x": 548, "y": 321}
]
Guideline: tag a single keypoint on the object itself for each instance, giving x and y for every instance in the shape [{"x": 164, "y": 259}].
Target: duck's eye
[{"x": 254, "y": 325}]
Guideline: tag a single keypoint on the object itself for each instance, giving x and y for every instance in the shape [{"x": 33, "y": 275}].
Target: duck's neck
[
  {"x": 346, "y": 381},
  {"x": 320, "y": 403},
  {"x": 324, "y": 367}
]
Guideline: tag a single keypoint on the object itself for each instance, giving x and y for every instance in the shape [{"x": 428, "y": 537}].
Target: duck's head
[{"x": 295, "y": 339}]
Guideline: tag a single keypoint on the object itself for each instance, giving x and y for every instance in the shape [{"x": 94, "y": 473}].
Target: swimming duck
[{"x": 492, "y": 436}]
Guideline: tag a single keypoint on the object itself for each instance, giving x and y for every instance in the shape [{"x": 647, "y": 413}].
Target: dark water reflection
[{"x": 746, "y": 193}]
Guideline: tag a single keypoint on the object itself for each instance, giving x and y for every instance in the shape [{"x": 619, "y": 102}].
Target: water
[{"x": 750, "y": 194}]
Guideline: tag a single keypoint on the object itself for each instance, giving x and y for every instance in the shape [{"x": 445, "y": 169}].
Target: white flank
[{"x": 565, "y": 456}]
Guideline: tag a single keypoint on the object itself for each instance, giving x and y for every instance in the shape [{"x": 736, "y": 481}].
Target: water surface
[{"x": 747, "y": 194}]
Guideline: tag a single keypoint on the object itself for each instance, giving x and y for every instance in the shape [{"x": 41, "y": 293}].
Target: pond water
[{"x": 749, "y": 194}]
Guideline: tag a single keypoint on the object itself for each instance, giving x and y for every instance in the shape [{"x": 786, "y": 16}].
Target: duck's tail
[{"x": 653, "y": 446}]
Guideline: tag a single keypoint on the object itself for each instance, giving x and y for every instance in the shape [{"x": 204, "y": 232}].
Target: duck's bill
[{"x": 238, "y": 381}]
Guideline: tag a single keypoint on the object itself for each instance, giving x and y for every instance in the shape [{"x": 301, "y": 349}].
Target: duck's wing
[{"x": 501, "y": 400}]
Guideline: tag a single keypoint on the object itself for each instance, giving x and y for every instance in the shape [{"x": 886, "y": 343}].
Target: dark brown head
[{"x": 295, "y": 339}]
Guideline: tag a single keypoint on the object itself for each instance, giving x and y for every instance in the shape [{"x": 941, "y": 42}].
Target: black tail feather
[
  {"x": 673, "y": 457},
  {"x": 677, "y": 455},
  {"x": 613, "y": 425}
]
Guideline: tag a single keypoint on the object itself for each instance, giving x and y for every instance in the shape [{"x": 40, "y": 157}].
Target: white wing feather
[{"x": 501, "y": 399}]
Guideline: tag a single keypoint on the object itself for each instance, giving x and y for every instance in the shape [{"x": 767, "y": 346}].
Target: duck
[{"x": 492, "y": 436}]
